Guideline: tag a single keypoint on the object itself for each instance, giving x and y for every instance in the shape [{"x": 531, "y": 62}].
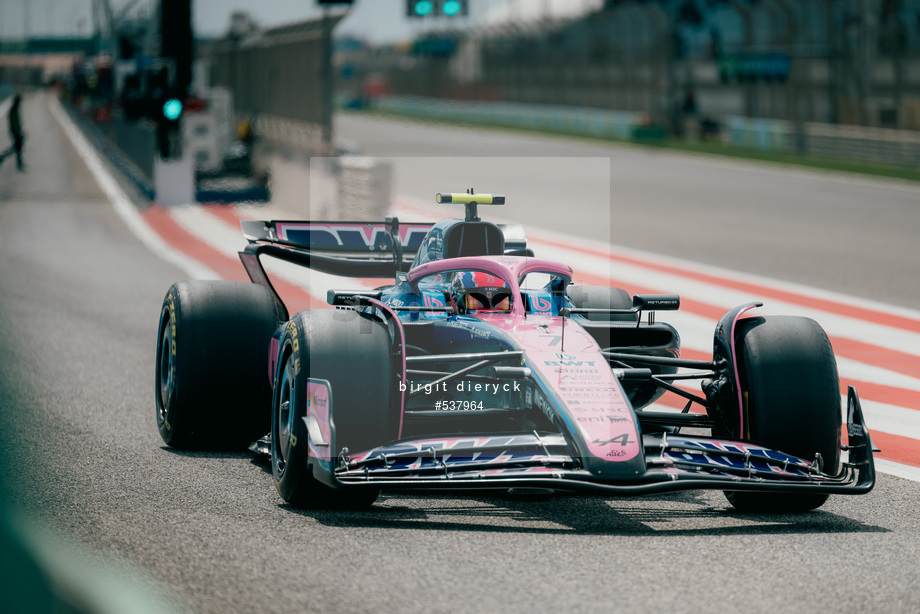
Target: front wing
[{"x": 674, "y": 462}]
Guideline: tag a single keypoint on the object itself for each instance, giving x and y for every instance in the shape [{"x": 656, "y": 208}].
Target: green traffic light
[
  {"x": 172, "y": 109},
  {"x": 423, "y": 7},
  {"x": 451, "y": 7}
]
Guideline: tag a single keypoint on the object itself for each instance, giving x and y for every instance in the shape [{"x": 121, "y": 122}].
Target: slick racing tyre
[
  {"x": 348, "y": 357},
  {"x": 212, "y": 382},
  {"x": 791, "y": 391},
  {"x": 601, "y": 297}
]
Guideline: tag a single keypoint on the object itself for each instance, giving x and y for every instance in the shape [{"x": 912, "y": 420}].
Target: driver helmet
[{"x": 480, "y": 291}]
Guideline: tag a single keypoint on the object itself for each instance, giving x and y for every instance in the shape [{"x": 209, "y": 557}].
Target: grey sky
[{"x": 375, "y": 20}]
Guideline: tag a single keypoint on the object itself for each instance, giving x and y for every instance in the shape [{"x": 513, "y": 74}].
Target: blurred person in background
[
  {"x": 244, "y": 133},
  {"x": 688, "y": 111},
  {"x": 16, "y": 135}
]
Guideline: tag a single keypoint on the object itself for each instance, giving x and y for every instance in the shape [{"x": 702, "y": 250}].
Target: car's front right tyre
[
  {"x": 602, "y": 297},
  {"x": 212, "y": 384}
]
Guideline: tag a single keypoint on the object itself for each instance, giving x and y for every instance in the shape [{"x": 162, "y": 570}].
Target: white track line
[
  {"x": 879, "y": 335},
  {"x": 897, "y": 469},
  {"x": 892, "y": 419},
  {"x": 122, "y": 204}
]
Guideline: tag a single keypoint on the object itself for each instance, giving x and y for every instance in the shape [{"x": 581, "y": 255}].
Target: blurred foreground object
[{"x": 39, "y": 573}]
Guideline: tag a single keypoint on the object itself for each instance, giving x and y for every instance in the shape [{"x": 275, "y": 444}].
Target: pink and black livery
[{"x": 482, "y": 366}]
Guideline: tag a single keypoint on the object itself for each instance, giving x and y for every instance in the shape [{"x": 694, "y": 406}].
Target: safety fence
[
  {"x": 600, "y": 123},
  {"x": 131, "y": 148},
  {"x": 879, "y": 145},
  {"x": 277, "y": 72}
]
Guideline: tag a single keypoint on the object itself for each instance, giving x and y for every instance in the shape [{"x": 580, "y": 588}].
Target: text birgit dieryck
[{"x": 462, "y": 387}]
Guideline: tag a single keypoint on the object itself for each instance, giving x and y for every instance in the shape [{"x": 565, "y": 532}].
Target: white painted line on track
[
  {"x": 658, "y": 260},
  {"x": 208, "y": 228},
  {"x": 724, "y": 296},
  {"x": 897, "y": 469},
  {"x": 262, "y": 211},
  {"x": 863, "y": 372},
  {"x": 122, "y": 204},
  {"x": 696, "y": 331},
  {"x": 892, "y": 419}
]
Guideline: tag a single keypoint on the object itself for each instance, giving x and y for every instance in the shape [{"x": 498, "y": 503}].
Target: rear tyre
[
  {"x": 791, "y": 391},
  {"x": 602, "y": 297},
  {"x": 212, "y": 382},
  {"x": 352, "y": 352}
]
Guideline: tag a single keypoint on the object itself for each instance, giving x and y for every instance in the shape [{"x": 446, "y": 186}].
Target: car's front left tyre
[
  {"x": 791, "y": 402},
  {"x": 344, "y": 362}
]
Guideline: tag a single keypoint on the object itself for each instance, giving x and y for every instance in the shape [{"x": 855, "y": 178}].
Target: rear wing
[
  {"x": 355, "y": 249},
  {"x": 359, "y": 238},
  {"x": 351, "y": 249}
]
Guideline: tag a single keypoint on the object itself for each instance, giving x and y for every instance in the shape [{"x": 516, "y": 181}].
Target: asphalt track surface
[{"x": 81, "y": 454}]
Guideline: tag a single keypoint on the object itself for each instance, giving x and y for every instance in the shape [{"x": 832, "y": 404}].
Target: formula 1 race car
[{"x": 485, "y": 367}]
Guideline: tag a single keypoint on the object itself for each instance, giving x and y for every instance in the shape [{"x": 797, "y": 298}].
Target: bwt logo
[
  {"x": 569, "y": 363},
  {"x": 540, "y": 304},
  {"x": 568, "y": 360},
  {"x": 430, "y": 301}
]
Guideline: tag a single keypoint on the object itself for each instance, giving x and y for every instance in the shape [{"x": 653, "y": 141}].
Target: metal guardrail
[
  {"x": 881, "y": 145},
  {"x": 602, "y": 123},
  {"x": 297, "y": 132},
  {"x": 129, "y": 147}
]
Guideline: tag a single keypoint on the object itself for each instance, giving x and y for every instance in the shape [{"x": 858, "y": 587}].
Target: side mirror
[{"x": 656, "y": 302}]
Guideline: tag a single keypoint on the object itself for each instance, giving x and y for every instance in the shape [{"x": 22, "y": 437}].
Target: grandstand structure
[{"x": 831, "y": 61}]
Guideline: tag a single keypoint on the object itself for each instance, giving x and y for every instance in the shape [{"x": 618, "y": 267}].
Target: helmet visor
[{"x": 491, "y": 301}]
